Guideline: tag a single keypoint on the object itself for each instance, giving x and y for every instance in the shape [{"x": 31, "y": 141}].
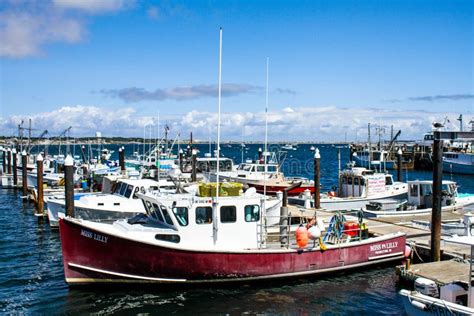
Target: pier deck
[{"x": 442, "y": 272}]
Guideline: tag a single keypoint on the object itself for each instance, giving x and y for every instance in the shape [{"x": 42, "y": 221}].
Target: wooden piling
[
  {"x": 24, "y": 170},
  {"x": 15, "y": 170},
  {"x": 122, "y": 160},
  {"x": 69, "y": 185},
  {"x": 437, "y": 186},
  {"x": 181, "y": 154},
  {"x": 399, "y": 165},
  {"x": 9, "y": 161},
  {"x": 39, "y": 184},
  {"x": 317, "y": 180},
  {"x": 193, "y": 165},
  {"x": 4, "y": 161}
]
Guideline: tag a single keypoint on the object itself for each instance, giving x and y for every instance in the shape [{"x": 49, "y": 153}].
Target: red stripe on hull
[{"x": 121, "y": 259}]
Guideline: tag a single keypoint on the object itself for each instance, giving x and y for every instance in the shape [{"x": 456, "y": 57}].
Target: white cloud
[
  {"x": 93, "y": 6},
  {"x": 303, "y": 124},
  {"x": 26, "y": 26},
  {"x": 23, "y": 33}
]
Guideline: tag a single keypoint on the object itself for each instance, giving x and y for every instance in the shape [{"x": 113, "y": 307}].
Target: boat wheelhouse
[{"x": 357, "y": 187}]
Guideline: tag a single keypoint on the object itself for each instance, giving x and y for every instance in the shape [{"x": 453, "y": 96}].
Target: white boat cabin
[
  {"x": 361, "y": 182},
  {"x": 199, "y": 223},
  {"x": 420, "y": 193},
  {"x": 129, "y": 188},
  {"x": 256, "y": 171}
]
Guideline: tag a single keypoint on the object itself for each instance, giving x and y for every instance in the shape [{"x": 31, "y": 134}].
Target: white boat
[
  {"x": 455, "y": 298},
  {"x": 420, "y": 201},
  {"x": 288, "y": 147},
  {"x": 122, "y": 203},
  {"x": 357, "y": 187},
  {"x": 458, "y": 162}
]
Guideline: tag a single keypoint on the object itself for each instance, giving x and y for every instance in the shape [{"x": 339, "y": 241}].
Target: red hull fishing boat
[{"x": 197, "y": 240}]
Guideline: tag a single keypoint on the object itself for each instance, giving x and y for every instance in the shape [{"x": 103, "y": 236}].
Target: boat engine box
[
  {"x": 426, "y": 287},
  {"x": 454, "y": 293}
]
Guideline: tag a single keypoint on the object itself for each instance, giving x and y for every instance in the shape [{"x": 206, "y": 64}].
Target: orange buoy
[
  {"x": 331, "y": 194},
  {"x": 301, "y": 235}
]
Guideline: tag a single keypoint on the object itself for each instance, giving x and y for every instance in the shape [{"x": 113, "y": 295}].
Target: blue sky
[{"x": 116, "y": 65}]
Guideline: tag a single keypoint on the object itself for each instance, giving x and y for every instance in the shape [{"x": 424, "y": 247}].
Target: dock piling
[
  {"x": 9, "y": 161},
  {"x": 69, "y": 185},
  {"x": 15, "y": 170},
  {"x": 317, "y": 180},
  {"x": 181, "y": 154},
  {"x": 39, "y": 184},
  {"x": 4, "y": 161},
  {"x": 193, "y": 165},
  {"x": 399, "y": 165},
  {"x": 24, "y": 170},
  {"x": 437, "y": 185},
  {"x": 121, "y": 160}
]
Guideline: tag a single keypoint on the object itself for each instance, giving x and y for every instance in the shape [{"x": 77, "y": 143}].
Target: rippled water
[{"x": 32, "y": 280}]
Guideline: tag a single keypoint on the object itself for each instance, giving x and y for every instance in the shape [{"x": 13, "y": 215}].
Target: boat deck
[{"x": 380, "y": 226}]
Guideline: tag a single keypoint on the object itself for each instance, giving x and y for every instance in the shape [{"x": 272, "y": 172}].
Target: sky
[{"x": 129, "y": 67}]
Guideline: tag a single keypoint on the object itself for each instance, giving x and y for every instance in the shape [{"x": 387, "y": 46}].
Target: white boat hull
[{"x": 417, "y": 304}]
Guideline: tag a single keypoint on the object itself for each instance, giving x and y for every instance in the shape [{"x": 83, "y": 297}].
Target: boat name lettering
[
  {"x": 94, "y": 236},
  {"x": 383, "y": 248}
]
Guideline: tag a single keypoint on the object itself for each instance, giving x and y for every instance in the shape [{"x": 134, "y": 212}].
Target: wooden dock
[{"x": 442, "y": 272}]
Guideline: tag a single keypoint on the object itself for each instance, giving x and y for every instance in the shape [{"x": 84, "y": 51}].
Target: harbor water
[{"x": 32, "y": 279}]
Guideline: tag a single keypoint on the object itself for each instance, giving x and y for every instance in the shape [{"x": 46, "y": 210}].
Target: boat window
[
  {"x": 156, "y": 212},
  {"x": 425, "y": 189},
  {"x": 271, "y": 168},
  {"x": 228, "y": 214},
  {"x": 388, "y": 181},
  {"x": 356, "y": 181},
  {"x": 181, "y": 214},
  {"x": 227, "y": 165},
  {"x": 135, "y": 192},
  {"x": 261, "y": 168},
  {"x": 252, "y": 213},
  {"x": 246, "y": 167},
  {"x": 362, "y": 181},
  {"x": 203, "y": 215},
  {"x": 123, "y": 188},
  {"x": 170, "y": 238},
  {"x": 349, "y": 180},
  {"x": 118, "y": 187},
  {"x": 167, "y": 216},
  {"x": 128, "y": 191},
  {"x": 146, "y": 204},
  {"x": 414, "y": 189}
]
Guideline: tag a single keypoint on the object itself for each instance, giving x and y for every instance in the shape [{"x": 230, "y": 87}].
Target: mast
[
  {"x": 215, "y": 205},
  {"x": 265, "y": 151}
]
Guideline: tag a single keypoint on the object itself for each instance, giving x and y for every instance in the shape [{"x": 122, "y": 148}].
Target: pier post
[
  {"x": 122, "y": 160},
  {"x": 193, "y": 165},
  {"x": 24, "y": 170},
  {"x": 39, "y": 184},
  {"x": 181, "y": 153},
  {"x": 15, "y": 171},
  {"x": 4, "y": 161},
  {"x": 69, "y": 185},
  {"x": 317, "y": 180},
  {"x": 259, "y": 154},
  {"x": 9, "y": 161},
  {"x": 399, "y": 165},
  {"x": 437, "y": 185}
]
